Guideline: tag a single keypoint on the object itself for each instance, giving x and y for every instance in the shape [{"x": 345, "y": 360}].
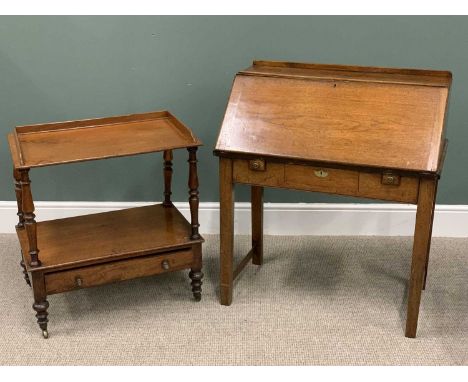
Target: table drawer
[
  {"x": 94, "y": 275},
  {"x": 321, "y": 179},
  {"x": 259, "y": 172},
  {"x": 406, "y": 190}
]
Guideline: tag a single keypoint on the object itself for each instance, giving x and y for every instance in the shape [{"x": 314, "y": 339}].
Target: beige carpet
[{"x": 316, "y": 301}]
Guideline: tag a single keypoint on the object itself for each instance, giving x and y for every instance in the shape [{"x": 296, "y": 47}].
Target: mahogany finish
[
  {"x": 97, "y": 249},
  {"x": 359, "y": 131},
  {"x": 19, "y": 198},
  {"x": 193, "y": 192},
  {"x": 20, "y": 225},
  {"x": 84, "y": 277},
  {"x": 77, "y": 141},
  {"x": 107, "y": 236},
  {"x": 167, "y": 178}
]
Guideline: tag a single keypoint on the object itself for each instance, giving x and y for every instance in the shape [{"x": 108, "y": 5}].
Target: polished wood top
[
  {"x": 362, "y": 116},
  {"x": 96, "y": 238},
  {"x": 76, "y": 141}
]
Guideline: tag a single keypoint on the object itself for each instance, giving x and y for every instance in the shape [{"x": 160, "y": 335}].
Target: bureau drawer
[
  {"x": 321, "y": 179},
  {"x": 371, "y": 186},
  {"x": 327, "y": 180},
  {"x": 258, "y": 172},
  {"x": 94, "y": 275}
]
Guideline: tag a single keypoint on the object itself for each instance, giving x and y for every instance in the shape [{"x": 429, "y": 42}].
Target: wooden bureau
[
  {"x": 367, "y": 132},
  {"x": 85, "y": 251}
]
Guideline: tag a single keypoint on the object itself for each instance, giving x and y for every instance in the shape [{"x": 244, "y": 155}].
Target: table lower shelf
[{"x": 99, "y": 238}]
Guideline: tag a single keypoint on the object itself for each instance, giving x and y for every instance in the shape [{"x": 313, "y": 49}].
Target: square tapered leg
[
  {"x": 226, "y": 230},
  {"x": 257, "y": 224},
  {"x": 422, "y": 241}
]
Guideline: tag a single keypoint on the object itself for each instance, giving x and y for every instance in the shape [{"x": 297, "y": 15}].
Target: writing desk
[
  {"x": 86, "y": 251},
  {"x": 361, "y": 131}
]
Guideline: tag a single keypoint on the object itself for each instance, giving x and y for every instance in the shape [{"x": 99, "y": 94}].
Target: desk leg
[
  {"x": 226, "y": 191},
  {"x": 257, "y": 224},
  {"x": 429, "y": 246},
  {"x": 421, "y": 244}
]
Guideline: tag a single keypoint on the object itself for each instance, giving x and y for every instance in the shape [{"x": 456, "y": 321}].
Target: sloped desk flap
[{"x": 370, "y": 117}]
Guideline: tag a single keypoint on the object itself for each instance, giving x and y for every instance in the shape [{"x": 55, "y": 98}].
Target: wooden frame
[
  {"x": 85, "y": 251},
  {"x": 364, "y": 151}
]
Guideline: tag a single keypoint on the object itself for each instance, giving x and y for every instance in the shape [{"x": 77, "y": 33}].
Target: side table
[{"x": 85, "y": 251}]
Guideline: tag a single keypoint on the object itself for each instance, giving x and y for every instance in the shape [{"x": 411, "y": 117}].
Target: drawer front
[
  {"x": 258, "y": 172},
  {"x": 94, "y": 275},
  {"x": 327, "y": 180},
  {"x": 321, "y": 179},
  {"x": 371, "y": 186}
]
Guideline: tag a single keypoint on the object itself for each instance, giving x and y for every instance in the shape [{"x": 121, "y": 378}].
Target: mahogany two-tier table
[
  {"x": 78, "y": 252},
  {"x": 360, "y": 131}
]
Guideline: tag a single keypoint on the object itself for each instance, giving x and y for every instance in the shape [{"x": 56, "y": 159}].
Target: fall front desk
[{"x": 362, "y": 131}]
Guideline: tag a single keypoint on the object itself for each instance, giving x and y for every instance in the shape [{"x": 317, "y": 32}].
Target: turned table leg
[
  {"x": 19, "y": 199},
  {"x": 196, "y": 275},
  {"x": 167, "y": 178},
  {"x": 25, "y": 272},
  {"x": 193, "y": 192},
  {"x": 226, "y": 197},
  {"x": 20, "y": 225},
  {"x": 38, "y": 283},
  {"x": 257, "y": 224},
  {"x": 29, "y": 218},
  {"x": 422, "y": 240},
  {"x": 40, "y": 302}
]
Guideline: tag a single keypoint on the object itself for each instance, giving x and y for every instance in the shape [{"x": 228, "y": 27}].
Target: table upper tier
[
  {"x": 76, "y": 141},
  {"x": 362, "y": 116}
]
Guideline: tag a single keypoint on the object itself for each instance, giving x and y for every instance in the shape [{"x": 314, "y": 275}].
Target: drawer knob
[
  {"x": 165, "y": 265},
  {"x": 78, "y": 281},
  {"x": 257, "y": 165}
]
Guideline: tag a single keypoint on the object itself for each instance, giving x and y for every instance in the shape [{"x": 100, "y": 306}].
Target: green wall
[{"x": 63, "y": 68}]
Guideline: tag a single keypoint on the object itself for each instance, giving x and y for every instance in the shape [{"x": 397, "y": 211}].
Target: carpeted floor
[{"x": 316, "y": 301}]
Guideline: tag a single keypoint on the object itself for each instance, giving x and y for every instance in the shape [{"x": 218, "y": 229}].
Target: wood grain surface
[
  {"x": 390, "y": 124},
  {"x": 77, "y": 141},
  {"x": 108, "y": 236}
]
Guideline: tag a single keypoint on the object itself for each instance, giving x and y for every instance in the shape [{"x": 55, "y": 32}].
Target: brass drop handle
[
  {"x": 79, "y": 281},
  {"x": 257, "y": 165},
  {"x": 165, "y": 265},
  {"x": 389, "y": 178}
]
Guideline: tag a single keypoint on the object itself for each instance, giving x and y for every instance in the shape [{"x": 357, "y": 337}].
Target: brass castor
[
  {"x": 197, "y": 297},
  {"x": 45, "y": 334}
]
